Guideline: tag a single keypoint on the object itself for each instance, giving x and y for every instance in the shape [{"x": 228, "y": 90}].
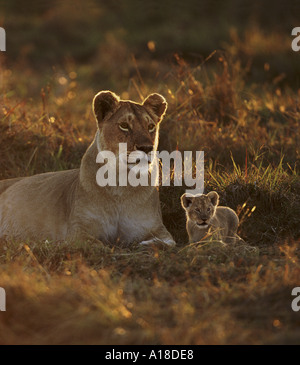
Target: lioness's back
[
  {"x": 5, "y": 184},
  {"x": 40, "y": 200}
]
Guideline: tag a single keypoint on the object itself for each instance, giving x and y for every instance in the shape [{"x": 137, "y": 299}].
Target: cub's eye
[
  {"x": 197, "y": 210},
  {"x": 208, "y": 209},
  {"x": 151, "y": 127},
  {"x": 124, "y": 126}
]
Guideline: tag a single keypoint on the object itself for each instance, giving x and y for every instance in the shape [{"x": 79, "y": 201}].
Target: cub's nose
[{"x": 145, "y": 148}]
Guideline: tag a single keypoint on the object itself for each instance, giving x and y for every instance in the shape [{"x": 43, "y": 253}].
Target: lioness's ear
[
  {"x": 186, "y": 201},
  {"x": 104, "y": 103},
  {"x": 214, "y": 197},
  {"x": 156, "y": 105}
]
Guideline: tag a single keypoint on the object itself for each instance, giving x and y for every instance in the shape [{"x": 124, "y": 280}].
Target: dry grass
[
  {"x": 248, "y": 127},
  {"x": 209, "y": 294}
]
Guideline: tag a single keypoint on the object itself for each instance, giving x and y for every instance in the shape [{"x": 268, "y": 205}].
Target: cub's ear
[
  {"x": 156, "y": 105},
  {"x": 104, "y": 104},
  {"x": 186, "y": 201},
  {"x": 214, "y": 197}
]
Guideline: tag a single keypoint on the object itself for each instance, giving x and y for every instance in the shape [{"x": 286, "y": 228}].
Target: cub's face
[
  {"x": 200, "y": 208},
  {"x": 128, "y": 122}
]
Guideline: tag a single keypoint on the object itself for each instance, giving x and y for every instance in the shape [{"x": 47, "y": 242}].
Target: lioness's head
[
  {"x": 200, "y": 208},
  {"x": 124, "y": 121}
]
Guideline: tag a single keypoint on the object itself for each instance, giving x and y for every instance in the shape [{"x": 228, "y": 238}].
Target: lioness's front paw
[{"x": 156, "y": 241}]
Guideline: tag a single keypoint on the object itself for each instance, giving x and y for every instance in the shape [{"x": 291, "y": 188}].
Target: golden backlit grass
[{"x": 190, "y": 295}]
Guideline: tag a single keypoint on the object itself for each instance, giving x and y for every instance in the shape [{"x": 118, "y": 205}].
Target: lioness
[
  {"x": 204, "y": 216},
  {"x": 70, "y": 205}
]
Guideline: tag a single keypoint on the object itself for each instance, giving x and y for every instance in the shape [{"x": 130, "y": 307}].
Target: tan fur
[
  {"x": 204, "y": 217},
  {"x": 69, "y": 205},
  {"x": 5, "y": 184}
]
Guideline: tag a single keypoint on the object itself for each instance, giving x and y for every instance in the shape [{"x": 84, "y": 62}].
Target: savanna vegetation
[{"x": 232, "y": 84}]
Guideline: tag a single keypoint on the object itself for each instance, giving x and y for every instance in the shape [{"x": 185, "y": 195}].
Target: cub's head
[
  {"x": 200, "y": 208},
  {"x": 124, "y": 121}
]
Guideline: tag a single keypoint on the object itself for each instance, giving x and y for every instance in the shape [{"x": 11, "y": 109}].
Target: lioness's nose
[{"x": 145, "y": 148}]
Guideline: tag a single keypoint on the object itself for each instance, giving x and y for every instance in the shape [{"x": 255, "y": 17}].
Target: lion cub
[{"x": 204, "y": 216}]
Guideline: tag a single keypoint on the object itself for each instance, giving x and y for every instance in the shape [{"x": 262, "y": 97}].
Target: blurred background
[
  {"x": 221, "y": 62},
  {"x": 109, "y": 39},
  {"x": 226, "y": 68}
]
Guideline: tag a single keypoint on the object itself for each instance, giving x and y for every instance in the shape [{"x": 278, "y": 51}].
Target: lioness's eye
[
  {"x": 151, "y": 127},
  {"x": 124, "y": 126}
]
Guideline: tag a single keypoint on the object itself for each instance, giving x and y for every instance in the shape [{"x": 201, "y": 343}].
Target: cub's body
[{"x": 205, "y": 218}]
